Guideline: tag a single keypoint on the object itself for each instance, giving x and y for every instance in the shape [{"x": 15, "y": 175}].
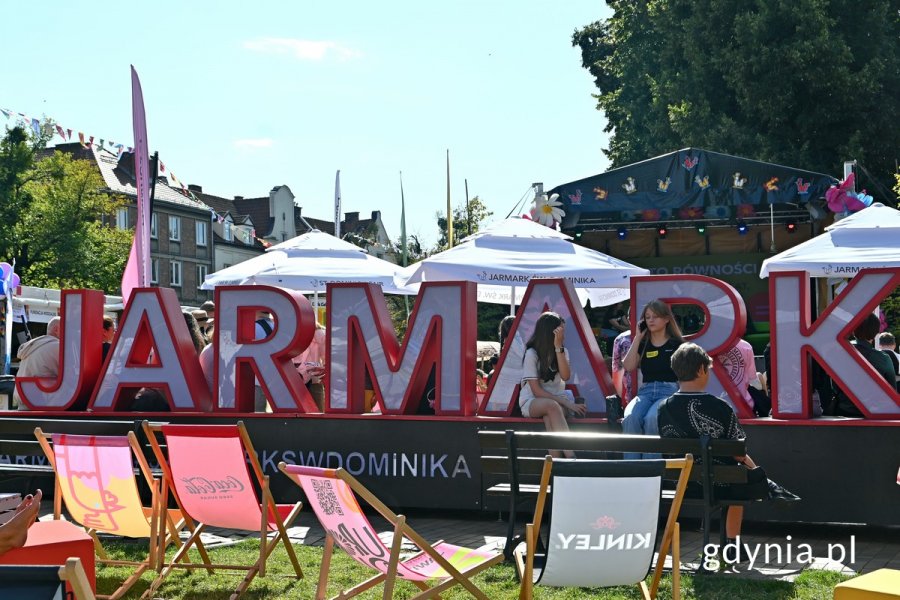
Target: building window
[
  {"x": 201, "y": 233},
  {"x": 228, "y": 233},
  {"x": 153, "y": 226},
  {"x": 122, "y": 218},
  {"x": 154, "y": 270},
  {"x": 175, "y": 273},
  {"x": 174, "y": 228},
  {"x": 201, "y": 275}
]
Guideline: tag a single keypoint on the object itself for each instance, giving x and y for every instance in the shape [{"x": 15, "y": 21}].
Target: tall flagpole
[
  {"x": 337, "y": 205},
  {"x": 405, "y": 249},
  {"x": 449, "y": 209}
]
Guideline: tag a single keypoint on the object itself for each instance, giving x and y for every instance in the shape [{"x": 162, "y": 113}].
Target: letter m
[{"x": 440, "y": 336}]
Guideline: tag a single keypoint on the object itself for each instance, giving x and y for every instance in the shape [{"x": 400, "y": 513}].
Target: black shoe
[{"x": 780, "y": 495}]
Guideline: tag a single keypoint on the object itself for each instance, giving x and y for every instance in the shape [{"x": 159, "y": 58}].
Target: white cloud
[
  {"x": 301, "y": 49},
  {"x": 254, "y": 144}
]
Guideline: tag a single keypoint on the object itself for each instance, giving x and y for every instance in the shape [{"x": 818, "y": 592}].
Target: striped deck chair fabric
[
  {"x": 95, "y": 479},
  {"x": 603, "y": 522},
  {"x": 212, "y": 471},
  {"x": 332, "y": 494}
]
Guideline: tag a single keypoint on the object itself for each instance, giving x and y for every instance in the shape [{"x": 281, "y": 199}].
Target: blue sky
[{"x": 243, "y": 96}]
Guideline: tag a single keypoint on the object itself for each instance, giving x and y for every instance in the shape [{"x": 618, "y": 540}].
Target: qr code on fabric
[{"x": 327, "y": 498}]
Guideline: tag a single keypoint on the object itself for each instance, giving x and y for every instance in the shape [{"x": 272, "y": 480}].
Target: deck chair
[
  {"x": 332, "y": 495},
  {"x": 207, "y": 472},
  {"x": 95, "y": 479},
  {"x": 603, "y": 524},
  {"x": 45, "y": 582}
]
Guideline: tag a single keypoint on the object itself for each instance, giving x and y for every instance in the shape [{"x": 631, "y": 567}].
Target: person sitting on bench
[{"x": 692, "y": 413}]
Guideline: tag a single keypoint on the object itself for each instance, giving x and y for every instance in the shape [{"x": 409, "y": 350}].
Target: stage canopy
[
  {"x": 689, "y": 184},
  {"x": 867, "y": 239}
]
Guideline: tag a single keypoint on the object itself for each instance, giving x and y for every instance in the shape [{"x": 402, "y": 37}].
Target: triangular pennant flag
[
  {"x": 110, "y": 142},
  {"x": 119, "y": 147},
  {"x": 36, "y": 126},
  {"x": 162, "y": 167},
  {"x": 61, "y": 132},
  {"x": 101, "y": 144},
  {"x": 69, "y": 131},
  {"x": 91, "y": 141},
  {"x": 6, "y": 113},
  {"x": 130, "y": 149},
  {"x": 81, "y": 138}
]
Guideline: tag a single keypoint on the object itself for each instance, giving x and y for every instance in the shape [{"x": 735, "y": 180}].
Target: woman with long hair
[
  {"x": 545, "y": 370},
  {"x": 656, "y": 339}
]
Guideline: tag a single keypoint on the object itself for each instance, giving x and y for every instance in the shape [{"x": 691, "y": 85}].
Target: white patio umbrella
[
  {"x": 867, "y": 239},
  {"x": 504, "y": 257},
  {"x": 307, "y": 263}
]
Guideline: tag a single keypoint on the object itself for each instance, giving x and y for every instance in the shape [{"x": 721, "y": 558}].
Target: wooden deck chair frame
[
  {"x": 268, "y": 508},
  {"x": 160, "y": 537},
  {"x": 525, "y": 553},
  {"x": 72, "y": 573},
  {"x": 401, "y": 529}
]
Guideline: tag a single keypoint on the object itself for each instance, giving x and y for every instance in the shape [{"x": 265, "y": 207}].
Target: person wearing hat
[
  {"x": 210, "y": 307},
  {"x": 202, "y": 321}
]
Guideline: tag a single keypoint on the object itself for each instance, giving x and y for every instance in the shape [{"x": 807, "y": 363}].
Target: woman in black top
[{"x": 656, "y": 339}]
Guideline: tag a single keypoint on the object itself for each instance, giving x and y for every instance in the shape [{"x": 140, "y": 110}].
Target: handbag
[{"x": 614, "y": 410}]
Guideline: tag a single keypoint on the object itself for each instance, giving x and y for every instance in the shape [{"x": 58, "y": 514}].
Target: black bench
[
  {"x": 511, "y": 463},
  {"x": 17, "y": 440}
]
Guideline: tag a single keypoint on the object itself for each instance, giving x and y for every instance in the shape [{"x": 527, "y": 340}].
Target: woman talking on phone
[
  {"x": 656, "y": 339},
  {"x": 545, "y": 370}
]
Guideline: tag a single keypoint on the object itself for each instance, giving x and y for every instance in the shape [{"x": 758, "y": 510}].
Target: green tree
[
  {"x": 68, "y": 243},
  {"x": 808, "y": 83},
  {"x": 465, "y": 222},
  {"x": 16, "y": 162}
]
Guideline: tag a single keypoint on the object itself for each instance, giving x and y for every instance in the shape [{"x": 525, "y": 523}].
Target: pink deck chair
[
  {"x": 207, "y": 471},
  {"x": 332, "y": 495},
  {"x": 95, "y": 479}
]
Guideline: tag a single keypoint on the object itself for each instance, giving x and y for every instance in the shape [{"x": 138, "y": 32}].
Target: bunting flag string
[{"x": 87, "y": 141}]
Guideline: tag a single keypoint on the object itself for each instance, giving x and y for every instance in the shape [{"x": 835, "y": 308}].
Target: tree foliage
[
  {"x": 53, "y": 214},
  {"x": 465, "y": 222},
  {"x": 806, "y": 83}
]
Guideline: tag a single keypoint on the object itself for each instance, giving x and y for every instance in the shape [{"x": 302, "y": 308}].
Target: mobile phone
[{"x": 642, "y": 326}]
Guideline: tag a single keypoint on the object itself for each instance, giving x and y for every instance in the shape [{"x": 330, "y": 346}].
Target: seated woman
[
  {"x": 14, "y": 532},
  {"x": 545, "y": 370},
  {"x": 655, "y": 341}
]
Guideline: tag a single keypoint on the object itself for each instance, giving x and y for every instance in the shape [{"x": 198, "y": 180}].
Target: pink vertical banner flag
[{"x": 137, "y": 270}]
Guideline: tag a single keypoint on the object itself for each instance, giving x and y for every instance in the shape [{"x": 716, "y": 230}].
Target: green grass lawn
[{"x": 498, "y": 582}]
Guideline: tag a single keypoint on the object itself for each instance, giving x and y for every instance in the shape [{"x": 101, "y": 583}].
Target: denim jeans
[{"x": 642, "y": 412}]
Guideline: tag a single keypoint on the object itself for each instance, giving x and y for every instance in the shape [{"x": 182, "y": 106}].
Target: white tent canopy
[
  {"x": 504, "y": 257},
  {"x": 865, "y": 240},
  {"x": 307, "y": 263}
]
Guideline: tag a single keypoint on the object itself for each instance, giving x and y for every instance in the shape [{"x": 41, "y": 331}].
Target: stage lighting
[
  {"x": 622, "y": 232},
  {"x": 663, "y": 231},
  {"x": 578, "y": 233},
  {"x": 791, "y": 226},
  {"x": 701, "y": 229},
  {"x": 742, "y": 228}
]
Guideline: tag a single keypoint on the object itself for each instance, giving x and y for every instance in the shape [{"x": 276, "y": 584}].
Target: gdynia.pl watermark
[{"x": 738, "y": 554}]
